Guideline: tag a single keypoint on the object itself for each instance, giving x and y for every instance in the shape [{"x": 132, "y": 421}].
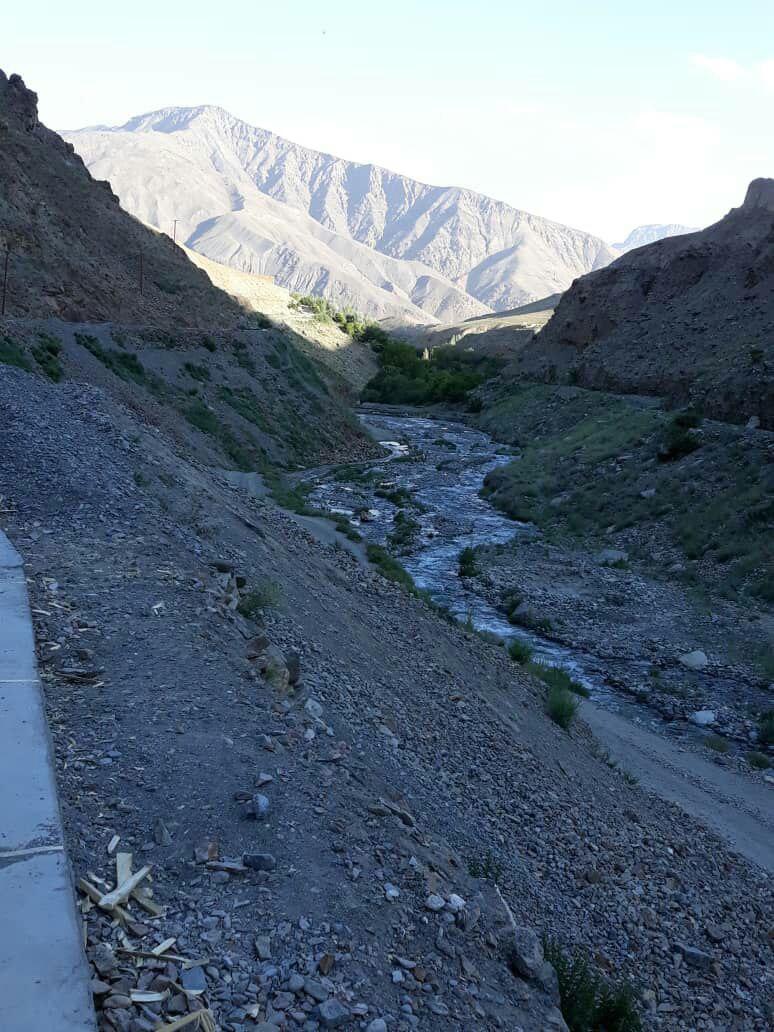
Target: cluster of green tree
[
  {"x": 349, "y": 320},
  {"x": 408, "y": 378}
]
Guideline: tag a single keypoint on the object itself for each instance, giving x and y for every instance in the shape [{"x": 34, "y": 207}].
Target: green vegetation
[
  {"x": 398, "y": 496},
  {"x": 390, "y": 568},
  {"x": 716, "y": 743},
  {"x": 520, "y": 651},
  {"x": 266, "y": 595},
  {"x": 589, "y": 1003},
  {"x": 766, "y": 728},
  {"x": 348, "y": 320},
  {"x": 203, "y": 418},
  {"x": 12, "y": 354},
  {"x": 589, "y": 467},
  {"x": 404, "y": 532},
  {"x": 406, "y": 378},
  {"x": 679, "y": 439},
  {"x": 124, "y": 364},
  {"x": 488, "y": 867},
  {"x": 46, "y": 353},
  {"x": 557, "y": 677},
  {"x": 561, "y": 706},
  {"x": 468, "y": 567},
  {"x": 198, "y": 372},
  {"x": 758, "y": 760}
]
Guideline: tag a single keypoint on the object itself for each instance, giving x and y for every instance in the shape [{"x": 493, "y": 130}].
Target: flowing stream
[{"x": 442, "y": 464}]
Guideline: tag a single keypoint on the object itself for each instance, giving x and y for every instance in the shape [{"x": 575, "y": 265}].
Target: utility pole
[
  {"x": 174, "y": 231},
  {"x": 140, "y": 272},
  {"x": 5, "y": 277}
]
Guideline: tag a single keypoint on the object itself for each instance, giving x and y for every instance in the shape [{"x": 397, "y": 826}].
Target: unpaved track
[{"x": 738, "y": 809}]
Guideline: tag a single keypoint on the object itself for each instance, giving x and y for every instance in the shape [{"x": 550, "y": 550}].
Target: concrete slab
[
  {"x": 44, "y": 981},
  {"x": 42, "y": 976}
]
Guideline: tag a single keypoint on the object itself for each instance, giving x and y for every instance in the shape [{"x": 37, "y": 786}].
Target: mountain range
[{"x": 360, "y": 235}]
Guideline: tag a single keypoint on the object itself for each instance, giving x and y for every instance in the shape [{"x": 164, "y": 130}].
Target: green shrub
[
  {"x": 406, "y": 378},
  {"x": 557, "y": 677},
  {"x": 589, "y": 1003},
  {"x": 46, "y": 353},
  {"x": 487, "y": 867},
  {"x": 209, "y": 344},
  {"x": 404, "y": 532},
  {"x": 266, "y": 595},
  {"x": 766, "y": 728},
  {"x": 202, "y": 418},
  {"x": 468, "y": 567},
  {"x": 561, "y": 706},
  {"x": 390, "y": 568},
  {"x": 12, "y": 354},
  {"x": 716, "y": 743},
  {"x": 520, "y": 651},
  {"x": 758, "y": 760},
  {"x": 679, "y": 439},
  {"x": 198, "y": 372}
]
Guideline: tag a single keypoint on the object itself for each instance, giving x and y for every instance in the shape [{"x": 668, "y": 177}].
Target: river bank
[{"x": 623, "y": 634}]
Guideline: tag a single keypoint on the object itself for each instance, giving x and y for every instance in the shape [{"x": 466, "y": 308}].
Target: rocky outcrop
[{"x": 687, "y": 318}]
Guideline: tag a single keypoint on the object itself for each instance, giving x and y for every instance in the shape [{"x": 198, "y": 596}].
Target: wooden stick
[
  {"x": 204, "y": 1017},
  {"x": 95, "y": 895},
  {"x": 122, "y": 893}
]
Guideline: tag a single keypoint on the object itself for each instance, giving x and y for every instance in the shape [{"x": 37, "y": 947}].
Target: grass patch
[
  {"x": 468, "y": 567},
  {"x": 520, "y": 651},
  {"x": 589, "y": 1003},
  {"x": 557, "y": 677},
  {"x": 266, "y": 595},
  {"x": 11, "y": 354},
  {"x": 404, "y": 532},
  {"x": 561, "y": 706},
  {"x": 766, "y": 728},
  {"x": 198, "y": 372},
  {"x": 758, "y": 760},
  {"x": 46, "y": 353},
  {"x": 390, "y": 568},
  {"x": 717, "y": 743}
]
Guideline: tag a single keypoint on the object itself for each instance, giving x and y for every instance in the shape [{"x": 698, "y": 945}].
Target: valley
[{"x": 453, "y": 713}]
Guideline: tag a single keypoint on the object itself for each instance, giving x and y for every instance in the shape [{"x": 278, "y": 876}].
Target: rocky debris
[{"x": 479, "y": 779}]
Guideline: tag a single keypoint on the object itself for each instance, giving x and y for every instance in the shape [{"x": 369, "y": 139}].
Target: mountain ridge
[{"x": 474, "y": 254}]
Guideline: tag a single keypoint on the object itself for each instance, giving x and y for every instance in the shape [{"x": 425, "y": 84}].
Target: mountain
[
  {"x": 688, "y": 317},
  {"x": 74, "y": 252},
  {"x": 649, "y": 234},
  {"x": 358, "y": 234},
  {"x": 240, "y": 390}
]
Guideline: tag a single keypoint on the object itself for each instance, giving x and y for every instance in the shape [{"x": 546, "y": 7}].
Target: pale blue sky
[{"x": 581, "y": 112}]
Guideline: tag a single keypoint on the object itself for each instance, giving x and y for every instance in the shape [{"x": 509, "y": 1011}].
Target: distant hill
[
  {"x": 649, "y": 234},
  {"x": 360, "y": 235},
  {"x": 688, "y": 317}
]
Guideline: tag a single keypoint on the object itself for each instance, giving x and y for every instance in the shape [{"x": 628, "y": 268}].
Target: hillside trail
[{"x": 736, "y": 808}]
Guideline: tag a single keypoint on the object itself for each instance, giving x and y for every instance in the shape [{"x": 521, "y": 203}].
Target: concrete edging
[{"x": 44, "y": 979}]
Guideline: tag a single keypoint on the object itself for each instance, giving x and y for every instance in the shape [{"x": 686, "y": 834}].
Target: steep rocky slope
[
  {"x": 242, "y": 391},
  {"x": 358, "y": 234},
  {"x": 688, "y": 318},
  {"x": 390, "y": 758},
  {"x": 74, "y": 252}
]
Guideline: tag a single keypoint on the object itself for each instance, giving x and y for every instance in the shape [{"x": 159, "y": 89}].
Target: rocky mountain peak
[
  {"x": 760, "y": 194},
  {"x": 18, "y": 105}
]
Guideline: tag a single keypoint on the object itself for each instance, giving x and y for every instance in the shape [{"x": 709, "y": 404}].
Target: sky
[{"x": 600, "y": 115}]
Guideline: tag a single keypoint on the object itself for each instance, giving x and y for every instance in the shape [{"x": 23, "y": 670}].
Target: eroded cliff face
[{"x": 688, "y": 318}]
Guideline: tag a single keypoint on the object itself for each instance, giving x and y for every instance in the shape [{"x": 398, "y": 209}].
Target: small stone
[
  {"x": 715, "y": 933},
  {"x": 455, "y": 903},
  {"x": 332, "y": 1013},
  {"x": 161, "y": 833},
  {"x": 703, "y": 718},
  {"x": 377, "y": 1025},
  {"x": 392, "y": 892},
  {"x": 104, "y": 959},
  {"x": 193, "y": 979},
  {"x": 259, "y": 861},
  {"x": 259, "y": 806},
  {"x": 435, "y": 902},
  {"x": 695, "y": 660},
  {"x": 313, "y": 708},
  {"x": 315, "y": 989},
  {"x": 694, "y": 957},
  {"x": 116, "y": 1002},
  {"x": 263, "y": 947}
]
